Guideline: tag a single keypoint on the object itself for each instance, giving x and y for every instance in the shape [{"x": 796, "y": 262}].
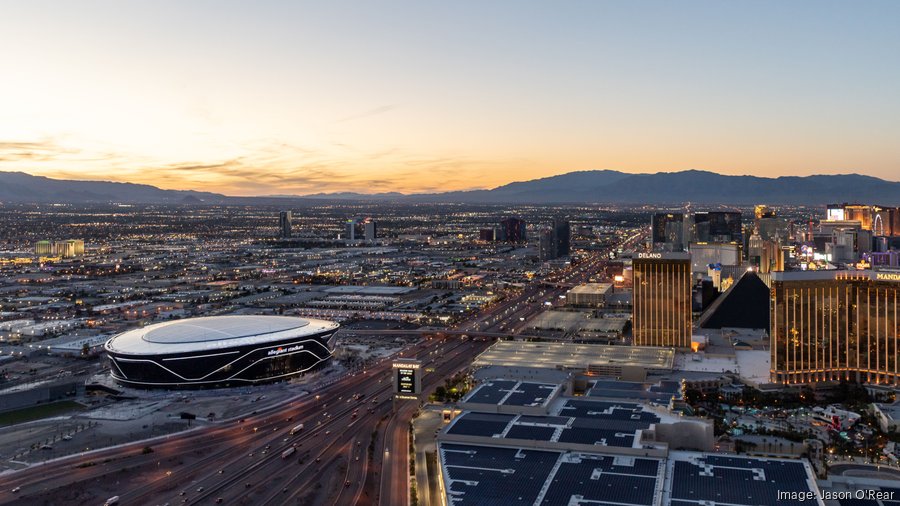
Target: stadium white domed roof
[{"x": 214, "y": 332}]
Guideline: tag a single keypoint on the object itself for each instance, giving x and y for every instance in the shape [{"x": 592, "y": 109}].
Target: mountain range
[{"x": 597, "y": 186}]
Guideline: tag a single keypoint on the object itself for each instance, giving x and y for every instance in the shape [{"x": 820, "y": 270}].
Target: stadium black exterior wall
[{"x": 222, "y": 367}]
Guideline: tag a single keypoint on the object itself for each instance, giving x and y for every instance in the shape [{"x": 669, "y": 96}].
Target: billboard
[{"x": 407, "y": 380}]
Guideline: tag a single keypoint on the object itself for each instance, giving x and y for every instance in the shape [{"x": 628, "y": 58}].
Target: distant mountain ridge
[
  {"x": 597, "y": 186},
  {"x": 20, "y": 187},
  {"x": 613, "y": 187}
]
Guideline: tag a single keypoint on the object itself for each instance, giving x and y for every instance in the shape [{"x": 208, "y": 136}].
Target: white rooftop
[{"x": 214, "y": 332}]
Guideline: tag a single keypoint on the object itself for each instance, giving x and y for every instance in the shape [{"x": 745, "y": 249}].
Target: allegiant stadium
[{"x": 219, "y": 351}]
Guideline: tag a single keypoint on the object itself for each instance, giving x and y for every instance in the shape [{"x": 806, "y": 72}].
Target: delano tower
[{"x": 662, "y": 300}]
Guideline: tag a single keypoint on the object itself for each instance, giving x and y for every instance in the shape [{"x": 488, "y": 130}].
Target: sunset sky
[{"x": 260, "y": 98}]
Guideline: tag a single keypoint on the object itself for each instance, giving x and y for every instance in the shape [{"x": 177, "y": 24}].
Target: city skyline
[
  {"x": 427, "y": 253},
  {"x": 301, "y": 99}
]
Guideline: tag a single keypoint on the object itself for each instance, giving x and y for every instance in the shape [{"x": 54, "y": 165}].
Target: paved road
[
  {"x": 353, "y": 448},
  {"x": 220, "y": 462}
]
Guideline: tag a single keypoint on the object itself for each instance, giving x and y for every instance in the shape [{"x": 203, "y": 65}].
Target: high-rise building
[
  {"x": 43, "y": 248},
  {"x": 886, "y": 222},
  {"x": 717, "y": 227},
  {"x": 771, "y": 229},
  {"x": 835, "y": 325},
  {"x": 861, "y": 213},
  {"x": 661, "y": 314},
  {"x": 66, "y": 249},
  {"x": 546, "y": 245},
  {"x": 350, "y": 231},
  {"x": 704, "y": 254},
  {"x": 755, "y": 247},
  {"x": 284, "y": 224},
  {"x": 882, "y": 221},
  {"x": 667, "y": 231},
  {"x": 561, "y": 237},
  {"x": 487, "y": 234},
  {"x": 370, "y": 230},
  {"x": 553, "y": 242},
  {"x": 512, "y": 230},
  {"x": 834, "y": 212}
]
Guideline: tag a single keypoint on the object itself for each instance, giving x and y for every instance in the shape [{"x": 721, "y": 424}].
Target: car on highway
[{"x": 16, "y": 490}]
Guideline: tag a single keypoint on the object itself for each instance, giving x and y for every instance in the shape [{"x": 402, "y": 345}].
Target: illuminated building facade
[
  {"x": 763, "y": 211},
  {"x": 43, "y": 248},
  {"x": 667, "y": 231},
  {"x": 661, "y": 314},
  {"x": 66, "y": 249},
  {"x": 718, "y": 227},
  {"x": 860, "y": 213},
  {"x": 835, "y": 325},
  {"x": 882, "y": 221},
  {"x": 512, "y": 230}
]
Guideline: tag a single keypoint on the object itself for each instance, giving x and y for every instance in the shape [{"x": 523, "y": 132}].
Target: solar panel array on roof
[
  {"x": 478, "y": 475},
  {"x": 486, "y": 476},
  {"x": 617, "y": 385},
  {"x": 580, "y": 421},
  {"x": 512, "y": 393},
  {"x": 491, "y": 392},
  {"x": 482, "y": 476},
  {"x": 597, "y": 478},
  {"x": 607, "y": 410},
  {"x": 530, "y": 394},
  {"x": 660, "y": 393},
  {"x": 737, "y": 481},
  {"x": 858, "y": 502},
  {"x": 480, "y": 424},
  {"x": 531, "y": 432},
  {"x": 549, "y": 420}
]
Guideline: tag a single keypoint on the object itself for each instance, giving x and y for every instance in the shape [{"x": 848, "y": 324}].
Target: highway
[
  {"x": 353, "y": 448},
  {"x": 220, "y": 462}
]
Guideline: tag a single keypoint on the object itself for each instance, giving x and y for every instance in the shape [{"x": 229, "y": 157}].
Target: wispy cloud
[{"x": 264, "y": 167}]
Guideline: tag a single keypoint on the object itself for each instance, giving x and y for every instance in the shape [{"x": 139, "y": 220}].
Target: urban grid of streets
[{"x": 353, "y": 449}]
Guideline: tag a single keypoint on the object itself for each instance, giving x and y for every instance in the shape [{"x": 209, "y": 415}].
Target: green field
[{"x": 38, "y": 412}]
